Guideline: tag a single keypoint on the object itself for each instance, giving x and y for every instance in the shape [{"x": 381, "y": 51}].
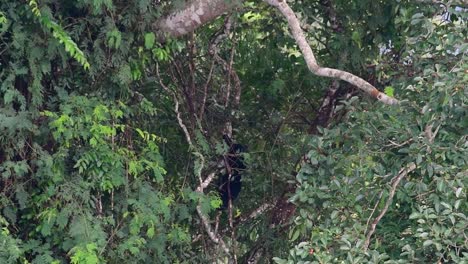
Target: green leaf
[
  {"x": 427, "y": 243},
  {"x": 150, "y": 232},
  {"x": 389, "y": 90},
  {"x": 280, "y": 261},
  {"x": 149, "y": 40},
  {"x": 356, "y": 37},
  {"x": 216, "y": 202},
  {"x": 295, "y": 235},
  {"x": 22, "y": 196}
]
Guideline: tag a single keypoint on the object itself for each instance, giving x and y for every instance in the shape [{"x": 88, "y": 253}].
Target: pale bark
[
  {"x": 193, "y": 15},
  {"x": 199, "y": 12},
  {"x": 430, "y": 135},
  {"x": 203, "y": 183},
  {"x": 312, "y": 64},
  {"x": 395, "y": 182}
]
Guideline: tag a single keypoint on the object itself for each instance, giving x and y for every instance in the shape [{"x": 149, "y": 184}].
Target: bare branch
[
  {"x": 176, "y": 108},
  {"x": 262, "y": 208},
  {"x": 181, "y": 123},
  {"x": 205, "y": 92},
  {"x": 203, "y": 183},
  {"x": 228, "y": 68},
  {"x": 311, "y": 62},
  {"x": 237, "y": 84},
  {"x": 198, "y": 12},
  {"x": 375, "y": 208},
  {"x": 206, "y": 182},
  {"x": 430, "y": 135},
  {"x": 254, "y": 214},
  {"x": 395, "y": 182}
]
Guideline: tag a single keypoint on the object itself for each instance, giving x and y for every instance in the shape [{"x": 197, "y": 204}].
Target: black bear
[{"x": 229, "y": 184}]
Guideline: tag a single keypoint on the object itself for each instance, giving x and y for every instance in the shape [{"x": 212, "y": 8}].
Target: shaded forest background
[{"x": 111, "y": 133}]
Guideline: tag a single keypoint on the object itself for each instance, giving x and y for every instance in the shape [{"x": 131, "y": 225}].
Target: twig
[
  {"x": 231, "y": 222},
  {"x": 395, "y": 181},
  {"x": 203, "y": 183},
  {"x": 205, "y": 92},
  {"x": 237, "y": 84},
  {"x": 213, "y": 236},
  {"x": 254, "y": 214},
  {"x": 375, "y": 208},
  {"x": 181, "y": 123},
  {"x": 192, "y": 68},
  {"x": 227, "y": 67},
  {"x": 113, "y": 233},
  {"x": 176, "y": 107},
  {"x": 210, "y": 232},
  {"x": 230, "y": 73},
  {"x": 398, "y": 145},
  {"x": 262, "y": 208}
]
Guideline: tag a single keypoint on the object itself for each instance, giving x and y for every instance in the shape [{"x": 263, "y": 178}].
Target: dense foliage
[{"x": 106, "y": 133}]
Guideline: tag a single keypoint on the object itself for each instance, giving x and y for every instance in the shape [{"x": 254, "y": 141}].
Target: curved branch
[
  {"x": 309, "y": 57},
  {"x": 199, "y": 12}
]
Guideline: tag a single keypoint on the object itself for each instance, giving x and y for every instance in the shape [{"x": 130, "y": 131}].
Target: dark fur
[{"x": 230, "y": 184}]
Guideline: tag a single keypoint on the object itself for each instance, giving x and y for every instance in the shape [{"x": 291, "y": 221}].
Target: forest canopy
[{"x": 233, "y": 131}]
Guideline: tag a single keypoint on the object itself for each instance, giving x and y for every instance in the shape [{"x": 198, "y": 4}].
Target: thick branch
[
  {"x": 309, "y": 57},
  {"x": 198, "y": 12},
  {"x": 193, "y": 15},
  {"x": 206, "y": 222}
]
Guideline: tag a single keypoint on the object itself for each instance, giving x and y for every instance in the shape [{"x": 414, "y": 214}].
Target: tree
[
  {"x": 112, "y": 117},
  {"x": 197, "y": 13}
]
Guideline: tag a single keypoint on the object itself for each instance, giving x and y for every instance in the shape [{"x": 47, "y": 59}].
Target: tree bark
[
  {"x": 312, "y": 64},
  {"x": 199, "y": 12},
  {"x": 191, "y": 16}
]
